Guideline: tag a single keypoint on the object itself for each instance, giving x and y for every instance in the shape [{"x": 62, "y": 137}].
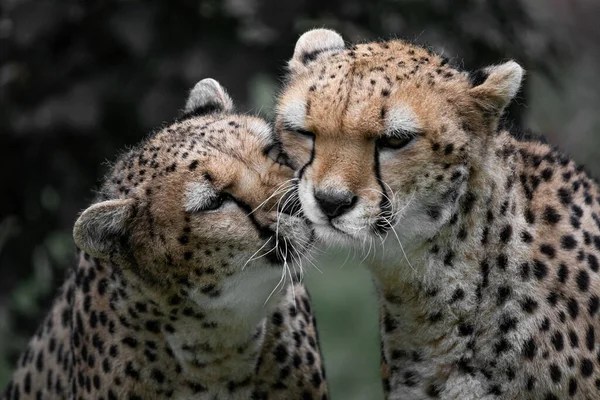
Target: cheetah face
[
  {"x": 384, "y": 135},
  {"x": 199, "y": 201}
]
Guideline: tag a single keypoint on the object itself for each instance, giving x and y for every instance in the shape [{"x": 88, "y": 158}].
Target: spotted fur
[
  {"x": 179, "y": 256},
  {"x": 485, "y": 248}
]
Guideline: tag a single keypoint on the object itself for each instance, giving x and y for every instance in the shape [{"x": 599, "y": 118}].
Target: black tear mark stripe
[
  {"x": 263, "y": 232},
  {"x": 384, "y": 204},
  {"x": 310, "y": 161}
]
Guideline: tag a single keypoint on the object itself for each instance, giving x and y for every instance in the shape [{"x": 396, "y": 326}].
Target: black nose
[{"x": 335, "y": 204}]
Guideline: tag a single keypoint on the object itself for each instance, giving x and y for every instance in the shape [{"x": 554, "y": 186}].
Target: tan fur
[
  {"x": 178, "y": 303},
  {"x": 483, "y": 247}
]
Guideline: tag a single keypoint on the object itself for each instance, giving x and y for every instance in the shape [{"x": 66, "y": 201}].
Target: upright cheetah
[
  {"x": 488, "y": 269},
  {"x": 179, "y": 256}
]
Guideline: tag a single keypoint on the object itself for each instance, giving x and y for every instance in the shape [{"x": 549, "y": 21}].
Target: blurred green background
[{"x": 79, "y": 81}]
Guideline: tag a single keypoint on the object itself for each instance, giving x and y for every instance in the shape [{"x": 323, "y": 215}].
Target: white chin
[{"x": 331, "y": 236}]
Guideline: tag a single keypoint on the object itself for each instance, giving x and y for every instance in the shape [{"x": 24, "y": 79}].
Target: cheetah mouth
[
  {"x": 331, "y": 234},
  {"x": 342, "y": 234},
  {"x": 285, "y": 251},
  {"x": 290, "y": 240}
]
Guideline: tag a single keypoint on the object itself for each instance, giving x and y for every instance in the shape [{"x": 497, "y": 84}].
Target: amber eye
[{"x": 393, "y": 142}]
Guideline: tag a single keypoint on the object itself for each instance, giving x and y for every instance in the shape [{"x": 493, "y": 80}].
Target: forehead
[
  {"x": 192, "y": 145},
  {"x": 236, "y": 135},
  {"x": 361, "y": 88}
]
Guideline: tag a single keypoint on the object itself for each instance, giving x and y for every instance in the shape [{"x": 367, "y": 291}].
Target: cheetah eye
[
  {"x": 304, "y": 133},
  {"x": 395, "y": 142},
  {"x": 298, "y": 131},
  {"x": 213, "y": 203},
  {"x": 276, "y": 154}
]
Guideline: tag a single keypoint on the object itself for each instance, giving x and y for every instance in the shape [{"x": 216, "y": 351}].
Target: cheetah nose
[{"x": 334, "y": 203}]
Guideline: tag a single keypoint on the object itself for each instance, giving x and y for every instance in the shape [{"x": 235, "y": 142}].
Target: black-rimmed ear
[
  {"x": 313, "y": 43},
  {"x": 495, "y": 86},
  {"x": 208, "y": 96},
  {"x": 98, "y": 229}
]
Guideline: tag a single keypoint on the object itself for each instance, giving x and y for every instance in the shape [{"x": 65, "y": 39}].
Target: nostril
[{"x": 334, "y": 204}]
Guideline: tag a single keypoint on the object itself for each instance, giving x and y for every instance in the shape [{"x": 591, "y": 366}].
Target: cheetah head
[
  {"x": 198, "y": 201},
  {"x": 385, "y": 135}
]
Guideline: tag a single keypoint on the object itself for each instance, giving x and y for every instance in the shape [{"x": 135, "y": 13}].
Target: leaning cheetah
[
  {"x": 179, "y": 256},
  {"x": 486, "y": 246}
]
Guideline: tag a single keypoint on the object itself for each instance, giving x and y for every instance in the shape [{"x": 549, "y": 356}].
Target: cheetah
[
  {"x": 485, "y": 245},
  {"x": 173, "y": 293}
]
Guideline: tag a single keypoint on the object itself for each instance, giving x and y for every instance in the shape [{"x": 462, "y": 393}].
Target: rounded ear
[
  {"x": 313, "y": 43},
  {"x": 206, "y": 97},
  {"x": 495, "y": 86},
  {"x": 98, "y": 228}
]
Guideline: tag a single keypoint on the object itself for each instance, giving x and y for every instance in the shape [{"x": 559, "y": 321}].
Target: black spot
[
  {"x": 583, "y": 280},
  {"x": 565, "y": 197},
  {"x": 548, "y": 250},
  {"x": 470, "y": 199},
  {"x": 506, "y": 234},
  {"x": 540, "y": 270},
  {"x": 502, "y": 346},
  {"x": 448, "y": 258},
  {"x": 277, "y": 318},
  {"x": 129, "y": 341},
  {"x": 503, "y": 294},
  {"x": 568, "y": 242},
  {"x": 465, "y": 329},
  {"x": 478, "y": 77},
  {"x": 193, "y": 165},
  {"x": 525, "y": 271},
  {"x": 281, "y": 353},
  {"x": 153, "y": 326},
  {"x": 547, "y": 174},
  {"x": 458, "y": 294},
  {"x": 507, "y": 323},
  {"x": 526, "y": 237},
  {"x": 558, "y": 341},
  {"x": 529, "y": 216},
  {"x": 593, "y": 305},
  {"x": 573, "y": 308},
  {"x": 573, "y": 339},
  {"x": 590, "y": 338},
  {"x": 587, "y": 368},
  {"x": 529, "y": 349},
  {"x": 563, "y": 273},
  {"x": 551, "y": 216},
  {"x": 131, "y": 371},
  {"x": 572, "y": 387},
  {"x": 529, "y": 305},
  {"x": 39, "y": 362},
  {"x": 434, "y": 213},
  {"x": 502, "y": 261},
  {"x": 436, "y": 317},
  {"x": 555, "y": 373},
  {"x": 449, "y": 149},
  {"x": 593, "y": 262},
  {"x": 316, "y": 379},
  {"x": 389, "y": 323}
]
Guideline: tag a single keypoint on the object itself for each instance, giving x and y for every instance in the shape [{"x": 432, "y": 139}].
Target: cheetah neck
[
  {"x": 443, "y": 284},
  {"x": 214, "y": 341}
]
